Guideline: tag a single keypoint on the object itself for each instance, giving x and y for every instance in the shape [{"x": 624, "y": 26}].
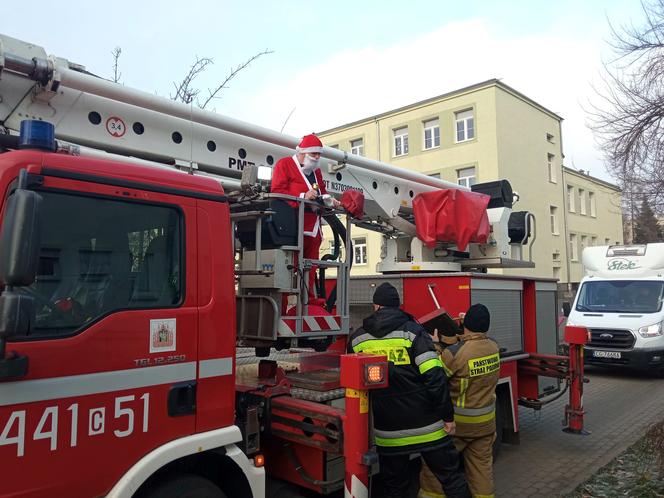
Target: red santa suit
[{"x": 289, "y": 178}]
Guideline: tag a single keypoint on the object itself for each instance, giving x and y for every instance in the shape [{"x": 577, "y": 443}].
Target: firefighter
[
  {"x": 300, "y": 176},
  {"x": 472, "y": 363},
  {"x": 414, "y": 414}
]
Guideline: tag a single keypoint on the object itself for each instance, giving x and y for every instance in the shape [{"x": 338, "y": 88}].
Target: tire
[
  {"x": 185, "y": 486},
  {"x": 500, "y": 417}
]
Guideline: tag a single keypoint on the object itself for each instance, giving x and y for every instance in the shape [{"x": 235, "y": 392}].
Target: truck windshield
[{"x": 621, "y": 296}]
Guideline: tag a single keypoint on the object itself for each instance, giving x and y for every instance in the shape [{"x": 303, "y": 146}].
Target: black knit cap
[
  {"x": 477, "y": 318},
  {"x": 386, "y": 295}
]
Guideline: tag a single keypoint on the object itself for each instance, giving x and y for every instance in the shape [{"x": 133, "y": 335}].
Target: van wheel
[{"x": 185, "y": 486}]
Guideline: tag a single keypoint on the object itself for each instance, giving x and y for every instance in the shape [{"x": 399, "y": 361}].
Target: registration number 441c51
[{"x": 606, "y": 354}]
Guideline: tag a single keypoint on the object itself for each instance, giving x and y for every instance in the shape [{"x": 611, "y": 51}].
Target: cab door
[{"x": 113, "y": 347}]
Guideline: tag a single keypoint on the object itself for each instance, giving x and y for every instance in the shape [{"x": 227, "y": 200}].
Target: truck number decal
[{"x": 124, "y": 421}]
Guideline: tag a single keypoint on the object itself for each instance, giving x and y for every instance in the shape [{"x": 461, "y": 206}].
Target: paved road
[{"x": 619, "y": 408}]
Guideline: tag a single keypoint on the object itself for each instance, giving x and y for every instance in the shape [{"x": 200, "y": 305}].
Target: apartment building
[{"x": 485, "y": 132}]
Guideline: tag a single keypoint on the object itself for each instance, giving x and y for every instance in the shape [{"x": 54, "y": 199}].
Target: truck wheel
[{"x": 186, "y": 486}]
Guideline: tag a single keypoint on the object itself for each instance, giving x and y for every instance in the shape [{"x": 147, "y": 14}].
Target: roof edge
[
  {"x": 592, "y": 178},
  {"x": 471, "y": 88}
]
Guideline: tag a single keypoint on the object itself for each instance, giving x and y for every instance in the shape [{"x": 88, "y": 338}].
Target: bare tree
[
  {"x": 628, "y": 115},
  {"x": 186, "y": 92},
  {"x": 116, "y": 57}
]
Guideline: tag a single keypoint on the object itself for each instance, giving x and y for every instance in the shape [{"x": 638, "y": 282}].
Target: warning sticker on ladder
[{"x": 115, "y": 126}]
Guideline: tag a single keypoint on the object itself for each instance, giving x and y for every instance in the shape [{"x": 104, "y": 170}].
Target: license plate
[{"x": 606, "y": 354}]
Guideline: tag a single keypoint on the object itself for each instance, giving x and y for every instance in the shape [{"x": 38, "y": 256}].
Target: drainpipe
[
  {"x": 563, "y": 180},
  {"x": 378, "y": 135}
]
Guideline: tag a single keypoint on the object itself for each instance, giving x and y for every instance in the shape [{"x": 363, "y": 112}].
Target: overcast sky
[{"x": 336, "y": 62}]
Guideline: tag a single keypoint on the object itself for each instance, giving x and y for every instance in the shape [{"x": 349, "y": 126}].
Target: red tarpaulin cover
[
  {"x": 353, "y": 202},
  {"x": 451, "y": 215}
]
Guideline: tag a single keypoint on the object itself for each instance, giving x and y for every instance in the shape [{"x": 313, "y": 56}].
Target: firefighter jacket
[
  {"x": 473, "y": 368},
  {"x": 288, "y": 178},
  {"x": 409, "y": 413}
]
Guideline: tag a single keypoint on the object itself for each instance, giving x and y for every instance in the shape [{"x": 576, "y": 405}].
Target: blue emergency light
[{"x": 37, "y": 135}]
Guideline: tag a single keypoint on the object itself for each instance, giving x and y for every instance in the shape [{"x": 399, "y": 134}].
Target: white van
[{"x": 620, "y": 302}]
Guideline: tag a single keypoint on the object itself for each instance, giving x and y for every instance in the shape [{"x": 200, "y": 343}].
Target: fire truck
[{"x": 156, "y": 334}]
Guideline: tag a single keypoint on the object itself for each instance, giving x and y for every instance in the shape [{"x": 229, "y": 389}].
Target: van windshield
[{"x": 621, "y": 296}]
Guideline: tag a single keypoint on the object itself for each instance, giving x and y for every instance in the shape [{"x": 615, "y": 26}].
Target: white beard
[{"x": 309, "y": 165}]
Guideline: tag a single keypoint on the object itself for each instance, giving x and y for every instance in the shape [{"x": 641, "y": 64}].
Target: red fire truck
[{"x": 145, "y": 345}]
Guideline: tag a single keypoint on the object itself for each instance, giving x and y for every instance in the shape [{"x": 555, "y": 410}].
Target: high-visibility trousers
[{"x": 478, "y": 462}]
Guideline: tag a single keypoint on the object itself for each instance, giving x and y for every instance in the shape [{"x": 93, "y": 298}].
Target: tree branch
[{"x": 213, "y": 94}]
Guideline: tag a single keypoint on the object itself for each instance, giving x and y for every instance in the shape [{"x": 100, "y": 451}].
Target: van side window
[{"x": 99, "y": 255}]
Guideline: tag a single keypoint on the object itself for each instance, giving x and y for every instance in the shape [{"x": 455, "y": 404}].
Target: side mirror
[
  {"x": 16, "y": 313},
  {"x": 16, "y": 316},
  {"x": 20, "y": 239},
  {"x": 566, "y": 308}
]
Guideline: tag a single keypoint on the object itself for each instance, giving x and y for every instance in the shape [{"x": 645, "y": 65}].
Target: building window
[
  {"x": 584, "y": 242},
  {"x": 582, "y": 201},
  {"x": 431, "y": 134},
  {"x": 465, "y": 125},
  {"x": 593, "y": 208},
  {"x": 549, "y": 138},
  {"x": 357, "y": 147},
  {"x": 553, "y": 212},
  {"x": 434, "y": 175},
  {"x": 556, "y": 272},
  {"x": 466, "y": 177},
  {"x": 335, "y": 146},
  {"x": 360, "y": 251},
  {"x": 556, "y": 256},
  {"x": 401, "y": 141},
  {"x": 573, "y": 248},
  {"x": 593, "y": 241},
  {"x": 570, "y": 198},
  {"x": 607, "y": 242},
  {"x": 552, "y": 168}
]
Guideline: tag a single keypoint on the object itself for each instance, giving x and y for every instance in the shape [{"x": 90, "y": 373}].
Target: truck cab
[{"x": 620, "y": 302}]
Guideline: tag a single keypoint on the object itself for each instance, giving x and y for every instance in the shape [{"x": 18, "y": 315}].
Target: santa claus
[{"x": 300, "y": 176}]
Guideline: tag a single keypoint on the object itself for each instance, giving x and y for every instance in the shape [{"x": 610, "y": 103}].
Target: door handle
[{"x": 182, "y": 399}]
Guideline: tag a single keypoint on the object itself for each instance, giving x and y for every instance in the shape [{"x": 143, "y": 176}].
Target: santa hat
[{"x": 310, "y": 143}]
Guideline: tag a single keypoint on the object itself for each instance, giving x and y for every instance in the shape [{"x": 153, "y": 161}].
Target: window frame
[
  {"x": 465, "y": 125},
  {"x": 467, "y": 178},
  {"x": 182, "y": 226},
  {"x": 365, "y": 253},
  {"x": 432, "y": 129},
  {"x": 573, "y": 247},
  {"x": 571, "y": 205},
  {"x": 552, "y": 167},
  {"x": 361, "y": 146},
  {"x": 582, "y": 202},
  {"x": 553, "y": 215},
  {"x": 593, "y": 205},
  {"x": 400, "y": 138}
]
